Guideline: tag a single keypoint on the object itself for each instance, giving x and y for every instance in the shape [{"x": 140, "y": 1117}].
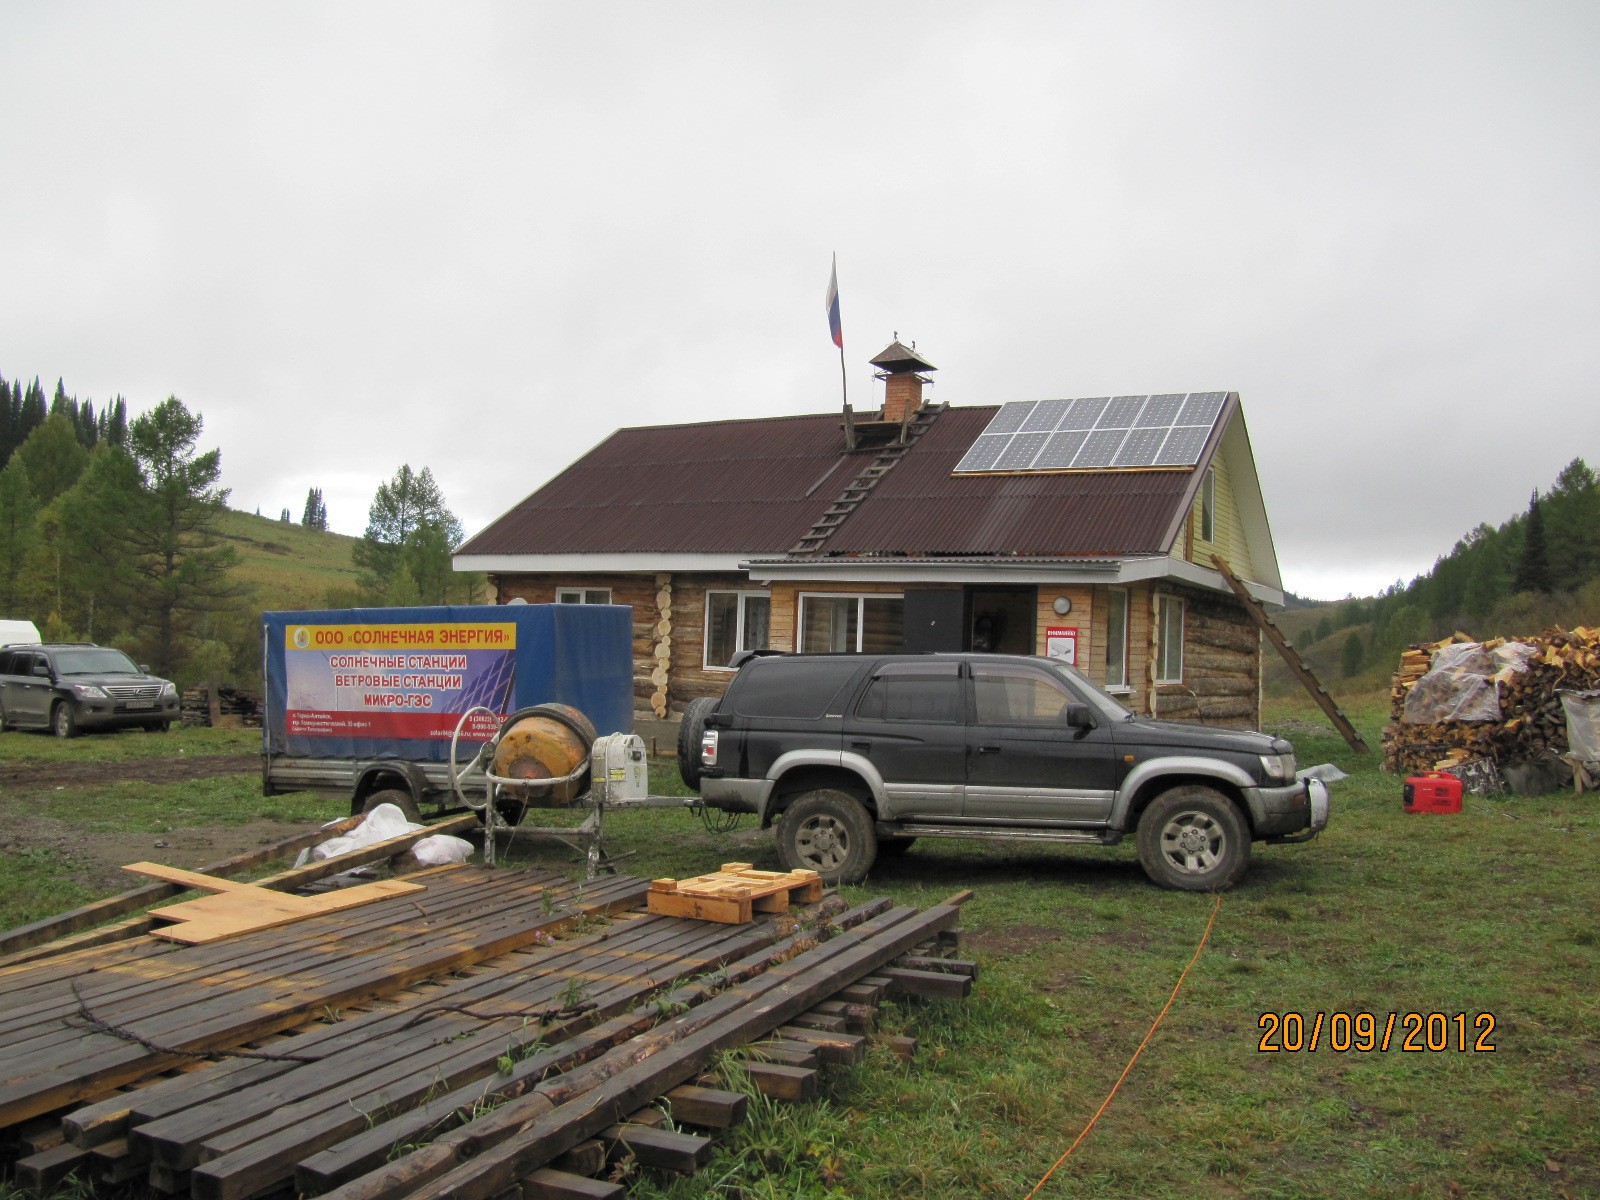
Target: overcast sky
[{"x": 480, "y": 237}]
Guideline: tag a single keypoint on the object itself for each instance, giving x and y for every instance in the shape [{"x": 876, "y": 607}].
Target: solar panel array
[{"x": 1097, "y": 433}]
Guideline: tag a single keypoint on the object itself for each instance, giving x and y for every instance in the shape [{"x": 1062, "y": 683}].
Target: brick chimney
[{"x": 902, "y": 381}]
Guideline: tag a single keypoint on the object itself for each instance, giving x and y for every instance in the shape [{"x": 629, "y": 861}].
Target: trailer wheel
[
  {"x": 398, "y": 797},
  {"x": 690, "y": 730}
]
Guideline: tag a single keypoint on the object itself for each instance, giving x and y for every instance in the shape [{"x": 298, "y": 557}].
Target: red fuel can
[{"x": 1435, "y": 792}]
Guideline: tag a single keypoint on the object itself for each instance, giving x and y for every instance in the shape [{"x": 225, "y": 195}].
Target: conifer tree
[{"x": 1533, "y": 564}]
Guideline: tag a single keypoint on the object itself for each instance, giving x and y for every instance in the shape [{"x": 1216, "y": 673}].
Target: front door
[
  {"x": 1002, "y": 620},
  {"x": 1024, "y": 762},
  {"x": 908, "y": 725}
]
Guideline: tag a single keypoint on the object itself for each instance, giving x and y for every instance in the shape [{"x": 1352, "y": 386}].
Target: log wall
[{"x": 1221, "y": 661}]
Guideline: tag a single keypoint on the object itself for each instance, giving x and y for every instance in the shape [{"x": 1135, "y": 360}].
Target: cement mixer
[{"x": 549, "y": 756}]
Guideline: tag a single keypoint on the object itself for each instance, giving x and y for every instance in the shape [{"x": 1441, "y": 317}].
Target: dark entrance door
[
  {"x": 935, "y": 620},
  {"x": 1002, "y": 620}
]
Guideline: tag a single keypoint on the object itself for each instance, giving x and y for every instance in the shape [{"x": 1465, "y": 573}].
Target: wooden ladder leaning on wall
[{"x": 1291, "y": 656}]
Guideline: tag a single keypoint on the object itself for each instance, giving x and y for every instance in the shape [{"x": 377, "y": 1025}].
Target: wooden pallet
[{"x": 734, "y": 894}]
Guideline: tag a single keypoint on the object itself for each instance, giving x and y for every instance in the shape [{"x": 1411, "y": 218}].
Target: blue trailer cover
[{"x": 393, "y": 682}]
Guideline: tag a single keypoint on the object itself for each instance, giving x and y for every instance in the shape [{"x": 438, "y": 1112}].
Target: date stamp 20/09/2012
[{"x": 1368, "y": 1033}]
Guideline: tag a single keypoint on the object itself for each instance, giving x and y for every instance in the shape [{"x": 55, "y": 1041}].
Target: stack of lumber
[
  {"x": 497, "y": 1031},
  {"x": 220, "y": 703},
  {"x": 1532, "y": 721}
]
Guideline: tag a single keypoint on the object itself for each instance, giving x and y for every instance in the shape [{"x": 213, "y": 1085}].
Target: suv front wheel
[
  {"x": 829, "y": 832},
  {"x": 1192, "y": 838},
  {"x": 64, "y": 720}
]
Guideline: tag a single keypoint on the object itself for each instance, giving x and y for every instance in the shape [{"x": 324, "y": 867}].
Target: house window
[
  {"x": 583, "y": 595},
  {"x": 735, "y": 621},
  {"x": 1169, "y": 639},
  {"x": 1117, "y": 639},
  {"x": 851, "y": 624},
  {"x": 1208, "y": 506}
]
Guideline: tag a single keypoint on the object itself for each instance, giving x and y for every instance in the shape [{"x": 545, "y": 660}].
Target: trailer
[{"x": 368, "y": 702}]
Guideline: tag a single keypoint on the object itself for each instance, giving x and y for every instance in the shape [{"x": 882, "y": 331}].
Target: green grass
[
  {"x": 290, "y": 566},
  {"x": 133, "y": 807},
  {"x": 30, "y": 746},
  {"x": 1490, "y": 911}
]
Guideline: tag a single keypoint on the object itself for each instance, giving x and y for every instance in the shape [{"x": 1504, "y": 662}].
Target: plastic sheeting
[
  {"x": 1462, "y": 683},
  {"x": 1583, "y": 725}
]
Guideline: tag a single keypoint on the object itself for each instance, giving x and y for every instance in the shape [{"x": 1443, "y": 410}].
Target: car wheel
[
  {"x": 64, "y": 719},
  {"x": 398, "y": 797},
  {"x": 829, "y": 832},
  {"x": 1194, "y": 839},
  {"x": 894, "y": 847},
  {"x": 690, "y": 730}
]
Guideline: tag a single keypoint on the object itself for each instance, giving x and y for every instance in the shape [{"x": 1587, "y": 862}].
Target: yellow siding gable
[{"x": 1228, "y": 530}]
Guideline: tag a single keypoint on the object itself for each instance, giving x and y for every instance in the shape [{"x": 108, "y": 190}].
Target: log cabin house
[{"x": 1079, "y": 528}]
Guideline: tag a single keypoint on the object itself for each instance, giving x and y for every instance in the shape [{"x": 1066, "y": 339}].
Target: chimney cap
[{"x": 897, "y": 359}]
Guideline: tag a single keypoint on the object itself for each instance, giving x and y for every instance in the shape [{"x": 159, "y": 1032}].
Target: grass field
[
  {"x": 289, "y": 566},
  {"x": 1490, "y": 912}
]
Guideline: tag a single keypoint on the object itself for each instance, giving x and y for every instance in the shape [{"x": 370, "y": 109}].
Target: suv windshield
[
  {"x": 94, "y": 662},
  {"x": 1104, "y": 701}
]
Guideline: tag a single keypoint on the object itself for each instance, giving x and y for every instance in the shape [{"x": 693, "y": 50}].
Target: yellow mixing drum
[{"x": 542, "y": 755}]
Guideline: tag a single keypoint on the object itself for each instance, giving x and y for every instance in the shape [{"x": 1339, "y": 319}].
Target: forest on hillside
[
  {"x": 1540, "y": 567},
  {"x": 110, "y": 531}
]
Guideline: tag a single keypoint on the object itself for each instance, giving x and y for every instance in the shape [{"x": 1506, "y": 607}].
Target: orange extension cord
[{"x": 1154, "y": 1025}]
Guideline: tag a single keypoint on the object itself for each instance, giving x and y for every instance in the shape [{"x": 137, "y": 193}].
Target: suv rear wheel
[
  {"x": 64, "y": 719},
  {"x": 1193, "y": 839},
  {"x": 827, "y": 831}
]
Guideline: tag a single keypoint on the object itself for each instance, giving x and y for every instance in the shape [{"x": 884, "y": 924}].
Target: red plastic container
[{"x": 1435, "y": 792}]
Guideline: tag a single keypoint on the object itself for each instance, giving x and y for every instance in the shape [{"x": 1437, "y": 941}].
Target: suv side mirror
[
  {"x": 145, "y": 667},
  {"x": 1078, "y": 716},
  {"x": 42, "y": 669}
]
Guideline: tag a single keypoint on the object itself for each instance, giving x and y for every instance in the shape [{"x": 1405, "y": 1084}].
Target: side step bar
[{"x": 1003, "y": 833}]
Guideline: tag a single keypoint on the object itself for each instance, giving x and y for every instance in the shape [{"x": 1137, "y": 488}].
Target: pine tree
[
  {"x": 1350, "y": 656},
  {"x": 54, "y": 457},
  {"x": 316, "y": 513},
  {"x": 17, "y": 533},
  {"x": 1532, "y": 573}
]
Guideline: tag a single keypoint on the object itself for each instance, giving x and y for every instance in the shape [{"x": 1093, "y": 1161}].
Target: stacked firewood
[
  {"x": 233, "y": 706},
  {"x": 1531, "y": 722}
]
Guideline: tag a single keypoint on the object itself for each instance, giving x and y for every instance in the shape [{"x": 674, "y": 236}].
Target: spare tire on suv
[{"x": 690, "y": 730}]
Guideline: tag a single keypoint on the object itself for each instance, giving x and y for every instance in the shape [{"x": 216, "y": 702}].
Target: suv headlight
[
  {"x": 1278, "y": 766},
  {"x": 169, "y": 691},
  {"x": 87, "y": 691}
]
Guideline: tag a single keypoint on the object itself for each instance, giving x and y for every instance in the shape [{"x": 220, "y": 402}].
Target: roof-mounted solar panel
[{"x": 1097, "y": 433}]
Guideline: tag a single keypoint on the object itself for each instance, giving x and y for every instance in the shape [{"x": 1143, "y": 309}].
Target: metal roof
[
  {"x": 921, "y": 509},
  {"x": 753, "y": 487},
  {"x": 731, "y": 487}
]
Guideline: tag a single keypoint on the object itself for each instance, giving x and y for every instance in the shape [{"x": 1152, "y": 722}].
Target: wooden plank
[
  {"x": 228, "y": 914},
  {"x": 781, "y": 1082},
  {"x": 708, "y": 1108},
  {"x": 903, "y": 980},
  {"x": 660, "y": 1149},
  {"x": 835, "y": 1049},
  {"x": 43, "y": 1172},
  {"x": 586, "y": 1158},
  {"x": 545, "y": 1184},
  {"x": 189, "y": 880},
  {"x": 727, "y": 911},
  {"x": 958, "y": 966},
  {"x": 790, "y": 1054}
]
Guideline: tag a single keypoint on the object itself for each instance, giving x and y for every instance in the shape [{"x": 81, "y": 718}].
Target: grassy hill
[{"x": 289, "y": 566}]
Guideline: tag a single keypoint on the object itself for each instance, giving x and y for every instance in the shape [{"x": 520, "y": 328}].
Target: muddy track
[{"x": 23, "y": 776}]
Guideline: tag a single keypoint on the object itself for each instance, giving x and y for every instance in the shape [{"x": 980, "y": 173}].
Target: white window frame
[
  {"x": 1113, "y": 595},
  {"x": 738, "y": 634},
  {"x": 861, "y": 622},
  {"x": 580, "y": 595},
  {"x": 1164, "y": 643},
  {"x": 1208, "y": 506}
]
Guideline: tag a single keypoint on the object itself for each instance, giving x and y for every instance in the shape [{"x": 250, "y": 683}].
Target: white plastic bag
[
  {"x": 383, "y": 822},
  {"x": 1459, "y": 686},
  {"x": 441, "y": 849},
  {"x": 1583, "y": 725}
]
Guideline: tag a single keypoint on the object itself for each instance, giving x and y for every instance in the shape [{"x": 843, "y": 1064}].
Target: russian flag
[{"x": 834, "y": 327}]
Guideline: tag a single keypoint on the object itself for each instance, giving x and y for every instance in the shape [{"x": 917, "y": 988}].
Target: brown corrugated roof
[
  {"x": 728, "y": 487},
  {"x": 920, "y": 508},
  {"x": 741, "y": 487}
]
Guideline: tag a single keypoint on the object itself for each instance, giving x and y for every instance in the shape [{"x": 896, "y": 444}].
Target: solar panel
[
  {"x": 1011, "y": 416},
  {"x": 983, "y": 453},
  {"x": 1120, "y": 413},
  {"x": 1045, "y": 415},
  {"x": 1101, "y": 448},
  {"x": 1019, "y": 455},
  {"x": 1182, "y": 447},
  {"x": 1141, "y": 448},
  {"x": 1084, "y": 413},
  {"x": 1060, "y": 450},
  {"x": 1097, "y": 433}
]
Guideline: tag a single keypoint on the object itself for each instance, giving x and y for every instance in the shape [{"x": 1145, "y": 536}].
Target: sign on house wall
[{"x": 1061, "y": 641}]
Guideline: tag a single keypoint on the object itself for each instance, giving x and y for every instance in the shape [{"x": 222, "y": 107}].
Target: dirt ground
[{"x": 97, "y": 857}]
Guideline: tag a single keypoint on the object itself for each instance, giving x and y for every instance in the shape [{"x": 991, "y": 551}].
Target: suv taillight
[{"x": 708, "y": 748}]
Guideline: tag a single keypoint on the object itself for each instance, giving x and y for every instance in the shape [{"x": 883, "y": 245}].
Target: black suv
[
  {"x": 859, "y": 755},
  {"x": 70, "y": 686}
]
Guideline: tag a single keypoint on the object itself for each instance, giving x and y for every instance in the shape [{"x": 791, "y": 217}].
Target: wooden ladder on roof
[
  {"x": 882, "y": 462},
  {"x": 1291, "y": 656}
]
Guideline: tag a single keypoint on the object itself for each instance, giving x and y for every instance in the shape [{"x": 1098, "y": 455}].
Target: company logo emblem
[{"x": 302, "y": 637}]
